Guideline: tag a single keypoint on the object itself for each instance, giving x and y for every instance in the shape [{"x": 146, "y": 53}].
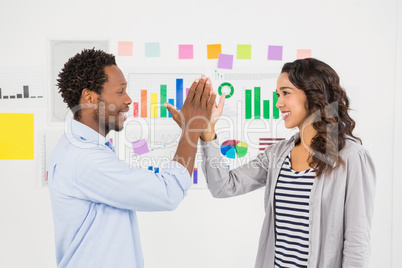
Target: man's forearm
[{"x": 186, "y": 150}]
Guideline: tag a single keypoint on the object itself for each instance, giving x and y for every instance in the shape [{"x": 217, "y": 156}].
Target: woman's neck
[{"x": 307, "y": 133}]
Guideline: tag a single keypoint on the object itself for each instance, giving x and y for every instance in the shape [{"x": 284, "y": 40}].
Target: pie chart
[{"x": 234, "y": 149}]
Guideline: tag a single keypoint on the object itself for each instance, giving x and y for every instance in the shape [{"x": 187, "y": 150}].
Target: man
[{"x": 94, "y": 195}]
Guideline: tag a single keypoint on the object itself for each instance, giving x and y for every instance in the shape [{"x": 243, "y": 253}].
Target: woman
[{"x": 319, "y": 185}]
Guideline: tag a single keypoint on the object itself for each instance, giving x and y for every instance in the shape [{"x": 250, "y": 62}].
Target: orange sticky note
[
  {"x": 303, "y": 53},
  {"x": 125, "y": 48},
  {"x": 213, "y": 51}
]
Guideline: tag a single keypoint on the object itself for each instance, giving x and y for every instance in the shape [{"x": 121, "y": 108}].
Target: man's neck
[{"x": 92, "y": 124}]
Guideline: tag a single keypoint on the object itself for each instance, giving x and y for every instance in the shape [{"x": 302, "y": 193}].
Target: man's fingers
[
  {"x": 175, "y": 114},
  {"x": 199, "y": 90},
  {"x": 206, "y": 92},
  {"x": 191, "y": 91},
  {"x": 211, "y": 101},
  {"x": 212, "y": 90},
  {"x": 172, "y": 110}
]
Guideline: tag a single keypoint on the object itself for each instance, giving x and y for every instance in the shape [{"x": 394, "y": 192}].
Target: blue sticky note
[{"x": 152, "y": 50}]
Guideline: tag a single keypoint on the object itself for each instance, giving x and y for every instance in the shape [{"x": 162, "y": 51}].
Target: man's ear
[{"x": 89, "y": 97}]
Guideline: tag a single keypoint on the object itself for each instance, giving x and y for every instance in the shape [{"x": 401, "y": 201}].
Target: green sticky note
[{"x": 244, "y": 52}]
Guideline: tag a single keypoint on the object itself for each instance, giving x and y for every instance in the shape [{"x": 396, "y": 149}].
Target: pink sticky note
[
  {"x": 125, "y": 48},
  {"x": 225, "y": 61},
  {"x": 186, "y": 52},
  {"x": 303, "y": 53},
  {"x": 140, "y": 147}
]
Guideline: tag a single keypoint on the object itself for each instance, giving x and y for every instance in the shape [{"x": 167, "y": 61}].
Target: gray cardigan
[{"x": 341, "y": 203}]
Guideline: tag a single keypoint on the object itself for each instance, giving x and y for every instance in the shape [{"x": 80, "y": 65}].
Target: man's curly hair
[{"x": 84, "y": 70}]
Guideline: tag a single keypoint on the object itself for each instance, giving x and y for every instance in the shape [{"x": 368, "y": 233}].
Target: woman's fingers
[{"x": 221, "y": 104}]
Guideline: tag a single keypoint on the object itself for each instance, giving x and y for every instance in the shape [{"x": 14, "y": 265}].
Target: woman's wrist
[{"x": 208, "y": 135}]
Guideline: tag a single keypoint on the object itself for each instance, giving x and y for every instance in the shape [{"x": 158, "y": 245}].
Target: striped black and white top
[{"x": 292, "y": 223}]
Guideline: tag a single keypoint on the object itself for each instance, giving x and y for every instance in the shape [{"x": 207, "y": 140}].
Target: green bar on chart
[
  {"x": 163, "y": 100},
  {"x": 266, "y": 109},
  {"x": 275, "y": 109},
  {"x": 248, "y": 103},
  {"x": 257, "y": 102}
]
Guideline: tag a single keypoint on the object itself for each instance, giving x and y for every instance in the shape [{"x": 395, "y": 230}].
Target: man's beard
[{"x": 100, "y": 116}]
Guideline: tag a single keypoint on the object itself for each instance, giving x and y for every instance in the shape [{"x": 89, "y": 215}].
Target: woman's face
[{"x": 291, "y": 102}]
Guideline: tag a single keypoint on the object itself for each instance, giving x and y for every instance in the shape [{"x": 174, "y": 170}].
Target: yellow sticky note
[
  {"x": 213, "y": 51},
  {"x": 244, "y": 52},
  {"x": 16, "y": 136}
]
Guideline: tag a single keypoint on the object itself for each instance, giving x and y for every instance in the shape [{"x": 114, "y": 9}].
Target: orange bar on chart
[{"x": 143, "y": 103}]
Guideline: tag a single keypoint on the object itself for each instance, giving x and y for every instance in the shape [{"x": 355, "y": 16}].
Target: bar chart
[
  {"x": 149, "y": 92},
  {"x": 265, "y": 142},
  {"x": 254, "y": 100},
  {"x": 21, "y": 86}
]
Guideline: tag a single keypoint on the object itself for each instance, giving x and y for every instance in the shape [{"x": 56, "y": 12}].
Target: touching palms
[{"x": 215, "y": 112}]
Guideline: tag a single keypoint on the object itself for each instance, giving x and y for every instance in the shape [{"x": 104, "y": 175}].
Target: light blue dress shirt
[{"x": 95, "y": 197}]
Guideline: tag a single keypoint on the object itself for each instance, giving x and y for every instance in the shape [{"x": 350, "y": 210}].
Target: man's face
[{"x": 113, "y": 102}]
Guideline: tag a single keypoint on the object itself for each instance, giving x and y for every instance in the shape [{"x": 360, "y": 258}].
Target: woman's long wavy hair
[{"x": 328, "y": 107}]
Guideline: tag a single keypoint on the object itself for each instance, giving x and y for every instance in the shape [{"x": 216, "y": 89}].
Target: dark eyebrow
[
  {"x": 283, "y": 88},
  {"x": 122, "y": 84}
]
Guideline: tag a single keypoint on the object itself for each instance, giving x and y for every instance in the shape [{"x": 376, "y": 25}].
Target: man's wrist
[{"x": 191, "y": 135}]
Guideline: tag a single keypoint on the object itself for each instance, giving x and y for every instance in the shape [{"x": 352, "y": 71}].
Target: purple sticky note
[
  {"x": 225, "y": 61},
  {"x": 140, "y": 147},
  {"x": 186, "y": 52},
  {"x": 275, "y": 52}
]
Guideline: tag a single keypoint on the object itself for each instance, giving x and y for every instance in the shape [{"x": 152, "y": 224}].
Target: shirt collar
[
  {"x": 83, "y": 136},
  {"x": 294, "y": 138}
]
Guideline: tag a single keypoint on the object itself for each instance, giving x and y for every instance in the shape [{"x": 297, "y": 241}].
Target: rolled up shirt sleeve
[{"x": 101, "y": 177}]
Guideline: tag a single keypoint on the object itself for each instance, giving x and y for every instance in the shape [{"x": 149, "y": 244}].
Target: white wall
[
  {"x": 357, "y": 38},
  {"x": 397, "y": 182}
]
